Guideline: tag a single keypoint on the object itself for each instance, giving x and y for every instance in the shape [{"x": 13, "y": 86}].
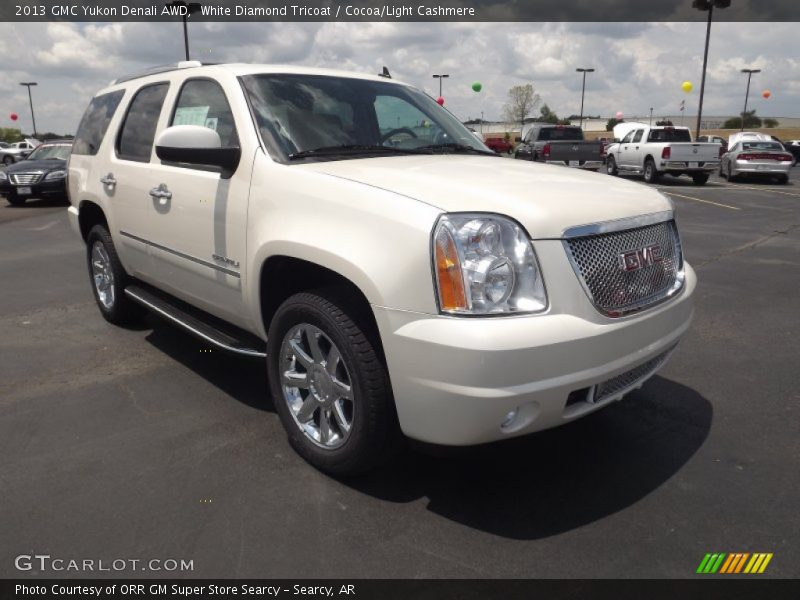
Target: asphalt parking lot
[{"x": 139, "y": 444}]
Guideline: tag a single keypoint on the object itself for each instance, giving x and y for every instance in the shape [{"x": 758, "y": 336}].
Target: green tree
[
  {"x": 751, "y": 121},
  {"x": 613, "y": 122},
  {"x": 548, "y": 116},
  {"x": 522, "y": 100},
  {"x": 10, "y": 135},
  {"x": 770, "y": 123}
]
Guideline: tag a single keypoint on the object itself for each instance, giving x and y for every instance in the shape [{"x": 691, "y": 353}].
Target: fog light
[{"x": 510, "y": 418}]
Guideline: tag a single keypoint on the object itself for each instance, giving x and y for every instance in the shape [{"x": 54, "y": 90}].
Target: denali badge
[{"x": 633, "y": 260}]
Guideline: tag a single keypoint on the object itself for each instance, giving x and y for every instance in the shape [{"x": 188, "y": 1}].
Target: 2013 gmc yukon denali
[{"x": 398, "y": 278}]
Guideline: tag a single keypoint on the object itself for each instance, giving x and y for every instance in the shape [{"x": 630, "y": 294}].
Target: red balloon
[
  {"x": 767, "y": 94},
  {"x": 14, "y": 116},
  {"x": 440, "y": 101}
]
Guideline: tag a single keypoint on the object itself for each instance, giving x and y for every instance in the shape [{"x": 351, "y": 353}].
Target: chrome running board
[{"x": 228, "y": 340}]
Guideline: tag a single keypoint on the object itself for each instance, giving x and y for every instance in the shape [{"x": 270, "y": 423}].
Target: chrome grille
[
  {"x": 27, "y": 178},
  {"x": 631, "y": 378},
  {"x": 598, "y": 262}
]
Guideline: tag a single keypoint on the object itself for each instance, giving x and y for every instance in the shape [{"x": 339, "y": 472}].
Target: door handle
[
  {"x": 108, "y": 180},
  {"x": 161, "y": 192}
]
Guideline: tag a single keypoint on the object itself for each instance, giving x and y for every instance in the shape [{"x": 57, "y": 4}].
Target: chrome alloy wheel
[
  {"x": 102, "y": 275},
  {"x": 316, "y": 386}
]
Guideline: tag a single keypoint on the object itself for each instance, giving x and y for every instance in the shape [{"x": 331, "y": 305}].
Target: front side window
[
  {"x": 139, "y": 129},
  {"x": 638, "y": 137},
  {"x": 202, "y": 102},
  {"x": 627, "y": 138},
  {"x": 305, "y": 113},
  {"x": 95, "y": 122}
]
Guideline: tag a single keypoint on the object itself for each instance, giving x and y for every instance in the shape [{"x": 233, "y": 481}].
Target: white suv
[{"x": 397, "y": 276}]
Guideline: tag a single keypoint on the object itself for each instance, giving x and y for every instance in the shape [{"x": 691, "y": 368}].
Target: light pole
[
  {"x": 651, "y": 116},
  {"x": 747, "y": 94},
  {"x": 583, "y": 89},
  {"x": 28, "y": 84},
  {"x": 440, "y": 77},
  {"x": 191, "y": 8},
  {"x": 708, "y": 5}
]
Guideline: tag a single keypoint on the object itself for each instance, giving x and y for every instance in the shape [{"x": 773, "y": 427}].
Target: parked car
[
  {"x": 713, "y": 139},
  {"x": 41, "y": 175},
  {"x": 793, "y": 146},
  {"x": 560, "y": 145},
  {"x": 11, "y": 153},
  {"x": 499, "y": 145},
  {"x": 656, "y": 151},
  {"x": 397, "y": 281},
  {"x": 756, "y": 158}
]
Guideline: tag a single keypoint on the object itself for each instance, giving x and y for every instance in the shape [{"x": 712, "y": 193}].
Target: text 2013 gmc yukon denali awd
[{"x": 396, "y": 276}]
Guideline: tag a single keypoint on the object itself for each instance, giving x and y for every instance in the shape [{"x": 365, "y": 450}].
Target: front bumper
[
  {"x": 42, "y": 189},
  {"x": 455, "y": 380}
]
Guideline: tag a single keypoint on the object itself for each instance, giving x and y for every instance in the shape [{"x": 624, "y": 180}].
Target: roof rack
[{"x": 184, "y": 64}]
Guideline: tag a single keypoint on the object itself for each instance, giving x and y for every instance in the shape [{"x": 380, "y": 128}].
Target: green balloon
[{"x": 476, "y": 87}]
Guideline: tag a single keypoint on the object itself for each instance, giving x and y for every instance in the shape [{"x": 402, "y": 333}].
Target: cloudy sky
[{"x": 639, "y": 65}]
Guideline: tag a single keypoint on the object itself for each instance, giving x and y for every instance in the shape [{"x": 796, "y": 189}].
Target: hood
[
  {"x": 47, "y": 164},
  {"x": 545, "y": 199}
]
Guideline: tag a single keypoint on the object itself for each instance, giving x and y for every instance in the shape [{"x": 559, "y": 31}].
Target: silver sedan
[{"x": 756, "y": 157}]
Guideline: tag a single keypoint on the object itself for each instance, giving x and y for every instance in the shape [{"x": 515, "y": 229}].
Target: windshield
[
  {"x": 60, "y": 152},
  {"x": 762, "y": 146},
  {"x": 299, "y": 114},
  {"x": 669, "y": 135},
  {"x": 571, "y": 134}
]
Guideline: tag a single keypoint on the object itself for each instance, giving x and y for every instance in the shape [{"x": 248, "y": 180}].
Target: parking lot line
[
  {"x": 760, "y": 189},
  {"x": 671, "y": 193}
]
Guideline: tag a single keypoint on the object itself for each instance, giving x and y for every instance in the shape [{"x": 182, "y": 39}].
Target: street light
[
  {"x": 191, "y": 8},
  {"x": 747, "y": 94},
  {"x": 28, "y": 84},
  {"x": 651, "y": 116},
  {"x": 583, "y": 89},
  {"x": 440, "y": 77},
  {"x": 706, "y": 5}
]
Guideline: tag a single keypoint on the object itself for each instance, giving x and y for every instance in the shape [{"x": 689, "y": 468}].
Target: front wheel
[
  {"x": 15, "y": 200},
  {"x": 611, "y": 166},
  {"x": 329, "y": 384},
  {"x": 8, "y": 160},
  {"x": 650, "y": 171},
  {"x": 700, "y": 178},
  {"x": 109, "y": 279}
]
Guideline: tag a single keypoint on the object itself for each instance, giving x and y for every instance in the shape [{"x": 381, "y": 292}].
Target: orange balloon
[{"x": 767, "y": 94}]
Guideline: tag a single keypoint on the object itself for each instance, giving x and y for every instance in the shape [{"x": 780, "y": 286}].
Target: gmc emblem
[{"x": 633, "y": 260}]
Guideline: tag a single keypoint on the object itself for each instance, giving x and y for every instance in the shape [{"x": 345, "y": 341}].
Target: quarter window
[
  {"x": 95, "y": 122},
  {"x": 139, "y": 129}
]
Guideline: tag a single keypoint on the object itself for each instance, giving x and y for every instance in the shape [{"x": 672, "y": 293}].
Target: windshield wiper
[
  {"x": 355, "y": 149},
  {"x": 456, "y": 148}
]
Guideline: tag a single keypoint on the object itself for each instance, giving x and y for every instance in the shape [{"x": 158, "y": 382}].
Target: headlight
[
  {"x": 3, "y": 176},
  {"x": 59, "y": 174},
  {"x": 485, "y": 265}
]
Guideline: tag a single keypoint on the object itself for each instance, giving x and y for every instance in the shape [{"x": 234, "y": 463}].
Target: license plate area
[
  {"x": 24, "y": 190},
  {"x": 574, "y": 163},
  {"x": 694, "y": 165}
]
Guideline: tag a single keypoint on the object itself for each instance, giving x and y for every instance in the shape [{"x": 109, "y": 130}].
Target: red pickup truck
[{"x": 499, "y": 145}]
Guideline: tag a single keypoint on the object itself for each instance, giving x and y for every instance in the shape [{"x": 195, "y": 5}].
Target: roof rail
[{"x": 184, "y": 64}]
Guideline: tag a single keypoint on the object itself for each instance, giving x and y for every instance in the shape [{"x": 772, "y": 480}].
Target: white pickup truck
[{"x": 653, "y": 151}]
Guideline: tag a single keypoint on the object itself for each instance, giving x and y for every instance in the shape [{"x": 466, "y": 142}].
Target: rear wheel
[
  {"x": 700, "y": 178},
  {"x": 783, "y": 179},
  {"x": 650, "y": 171},
  {"x": 611, "y": 166},
  {"x": 329, "y": 384},
  {"x": 109, "y": 279},
  {"x": 8, "y": 159}
]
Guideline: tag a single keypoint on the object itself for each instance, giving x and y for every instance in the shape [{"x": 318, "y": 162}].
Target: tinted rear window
[
  {"x": 139, "y": 129},
  {"x": 561, "y": 133},
  {"x": 95, "y": 122},
  {"x": 669, "y": 135}
]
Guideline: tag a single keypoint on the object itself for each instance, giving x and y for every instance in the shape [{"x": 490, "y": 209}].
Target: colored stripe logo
[{"x": 734, "y": 562}]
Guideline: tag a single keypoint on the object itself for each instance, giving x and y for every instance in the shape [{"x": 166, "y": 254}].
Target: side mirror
[
  {"x": 517, "y": 139},
  {"x": 196, "y": 145}
]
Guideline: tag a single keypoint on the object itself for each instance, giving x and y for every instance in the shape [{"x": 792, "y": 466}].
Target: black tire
[
  {"x": 121, "y": 310},
  {"x": 700, "y": 178},
  {"x": 15, "y": 200},
  {"x": 374, "y": 434},
  {"x": 8, "y": 159},
  {"x": 722, "y": 172},
  {"x": 783, "y": 179},
  {"x": 611, "y": 166},
  {"x": 650, "y": 171}
]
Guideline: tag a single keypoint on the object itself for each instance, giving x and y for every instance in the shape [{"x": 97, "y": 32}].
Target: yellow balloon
[{"x": 687, "y": 86}]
